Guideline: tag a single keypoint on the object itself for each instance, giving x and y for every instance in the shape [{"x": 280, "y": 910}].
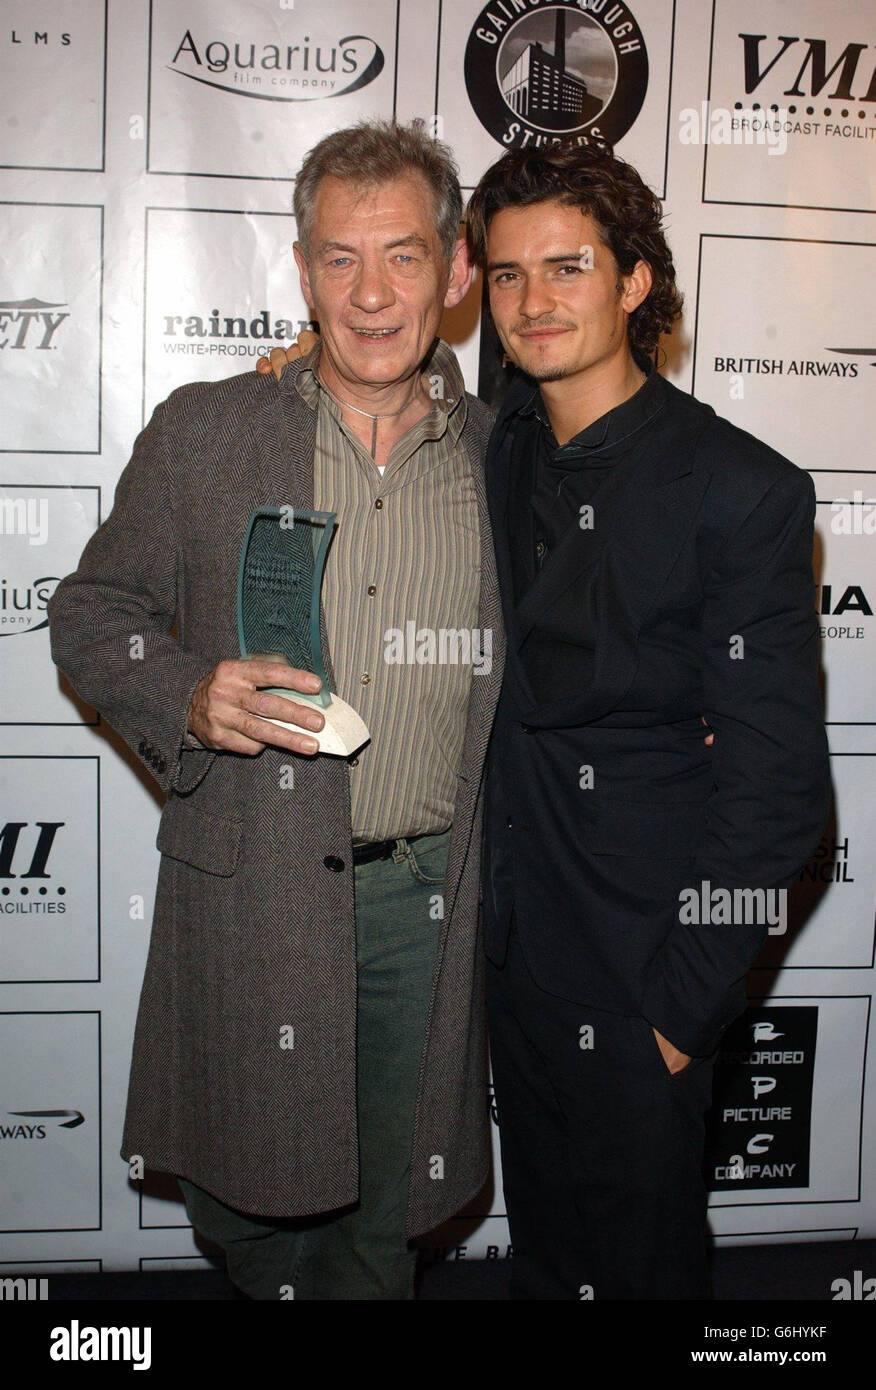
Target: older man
[{"x": 309, "y": 1054}]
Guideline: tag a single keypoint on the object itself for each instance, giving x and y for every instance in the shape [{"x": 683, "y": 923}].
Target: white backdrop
[{"x": 148, "y": 154}]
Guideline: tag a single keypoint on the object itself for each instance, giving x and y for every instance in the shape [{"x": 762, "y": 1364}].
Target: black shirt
[{"x": 553, "y": 482}]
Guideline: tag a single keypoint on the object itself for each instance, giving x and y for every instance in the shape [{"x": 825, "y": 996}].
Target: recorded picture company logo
[
  {"x": 561, "y": 73},
  {"x": 233, "y": 335},
  {"x": 299, "y": 71},
  {"x": 30, "y": 323}
]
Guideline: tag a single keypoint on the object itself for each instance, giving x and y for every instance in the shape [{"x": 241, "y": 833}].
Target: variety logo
[
  {"x": 301, "y": 71},
  {"x": 29, "y": 323},
  {"x": 558, "y": 73}
]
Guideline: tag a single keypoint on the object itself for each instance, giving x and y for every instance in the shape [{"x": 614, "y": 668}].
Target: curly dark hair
[{"x": 628, "y": 216}]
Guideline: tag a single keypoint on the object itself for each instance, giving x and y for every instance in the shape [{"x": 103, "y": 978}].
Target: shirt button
[
  {"x": 372, "y": 589},
  {"x": 332, "y": 862},
  {"x": 539, "y": 548},
  {"x": 510, "y": 823},
  {"x": 365, "y": 678},
  {"x": 353, "y": 762},
  {"x": 379, "y": 504}
]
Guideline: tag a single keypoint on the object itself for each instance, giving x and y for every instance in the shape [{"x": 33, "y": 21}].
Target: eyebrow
[
  {"x": 546, "y": 260},
  {"x": 412, "y": 239}
]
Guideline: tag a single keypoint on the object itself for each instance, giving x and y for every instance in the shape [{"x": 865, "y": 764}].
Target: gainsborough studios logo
[
  {"x": 556, "y": 72},
  {"x": 299, "y": 70}
]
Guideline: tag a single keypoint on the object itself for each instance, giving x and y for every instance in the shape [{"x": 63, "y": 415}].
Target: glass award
[{"x": 279, "y": 584}]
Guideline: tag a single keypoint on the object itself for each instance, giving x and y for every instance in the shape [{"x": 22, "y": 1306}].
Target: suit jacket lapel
[{"x": 498, "y": 487}]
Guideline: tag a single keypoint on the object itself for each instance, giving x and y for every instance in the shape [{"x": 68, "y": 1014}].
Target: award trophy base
[{"x": 343, "y": 732}]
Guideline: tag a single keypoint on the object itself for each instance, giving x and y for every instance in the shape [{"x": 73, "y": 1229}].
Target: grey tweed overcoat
[{"x": 253, "y": 931}]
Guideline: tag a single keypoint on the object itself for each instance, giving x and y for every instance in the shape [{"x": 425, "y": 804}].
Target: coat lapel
[
  {"x": 287, "y": 468},
  {"x": 485, "y": 688},
  {"x": 498, "y": 490}
]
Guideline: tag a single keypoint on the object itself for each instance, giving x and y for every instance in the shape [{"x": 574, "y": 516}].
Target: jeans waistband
[{"x": 379, "y": 849}]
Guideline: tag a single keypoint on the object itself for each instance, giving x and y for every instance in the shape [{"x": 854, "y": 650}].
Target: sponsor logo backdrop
[{"x": 146, "y": 208}]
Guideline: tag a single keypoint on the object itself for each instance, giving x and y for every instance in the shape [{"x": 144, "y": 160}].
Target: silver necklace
[{"x": 392, "y": 415}]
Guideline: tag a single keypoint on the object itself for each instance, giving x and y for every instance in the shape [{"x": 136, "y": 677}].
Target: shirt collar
[
  {"x": 443, "y": 380},
  {"x": 616, "y": 424}
]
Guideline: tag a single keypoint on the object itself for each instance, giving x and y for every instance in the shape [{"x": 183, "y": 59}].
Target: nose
[
  {"x": 372, "y": 290},
  {"x": 536, "y": 298}
]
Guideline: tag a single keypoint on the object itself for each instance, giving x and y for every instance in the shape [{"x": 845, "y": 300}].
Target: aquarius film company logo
[
  {"x": 566, "y": 71},
  {"x": 297, "y": 71},
  {"x": 23, "y": 607},
  {"x": 30, "y": 324}
]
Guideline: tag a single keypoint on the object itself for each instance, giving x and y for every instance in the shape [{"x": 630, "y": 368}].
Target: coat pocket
[{"x": 207, "y": 842}]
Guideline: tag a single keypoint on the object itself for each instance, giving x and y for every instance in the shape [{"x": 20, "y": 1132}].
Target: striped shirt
[{"x": 405, "y": 557}]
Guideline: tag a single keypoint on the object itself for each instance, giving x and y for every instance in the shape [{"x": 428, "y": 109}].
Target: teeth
[{"x": 375, "y": 332}]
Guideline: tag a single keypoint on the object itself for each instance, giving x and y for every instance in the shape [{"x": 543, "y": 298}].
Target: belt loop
[{"x": 401, "y": 852}]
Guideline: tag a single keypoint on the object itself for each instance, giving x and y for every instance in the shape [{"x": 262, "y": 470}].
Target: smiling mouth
[{"x": 375, "y": 332}]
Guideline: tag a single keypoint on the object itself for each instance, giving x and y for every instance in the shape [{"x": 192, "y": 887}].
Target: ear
[
  {"x": 304, "y": 274},
  {"x": 637, "y": 286},
  {"x": 461, "y": 272}
]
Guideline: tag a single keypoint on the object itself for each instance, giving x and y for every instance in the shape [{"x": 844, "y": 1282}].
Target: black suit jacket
[{"x": 603, "y": 801}]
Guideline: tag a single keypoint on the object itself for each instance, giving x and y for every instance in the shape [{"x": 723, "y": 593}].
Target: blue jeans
[{"x": 359, "y": 1252}]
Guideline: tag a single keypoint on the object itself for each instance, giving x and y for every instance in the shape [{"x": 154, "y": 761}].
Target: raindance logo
[
  {"x": 301, "y": 71},
  {"x": 199, "y": 335},
  {"x": 562, "y": 72}
]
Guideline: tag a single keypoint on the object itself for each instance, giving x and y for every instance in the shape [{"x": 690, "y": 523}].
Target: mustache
[{"x": 528, "y": 326}]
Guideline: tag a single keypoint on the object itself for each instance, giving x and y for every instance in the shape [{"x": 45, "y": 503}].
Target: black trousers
[{"x": 601, "y": 1145}]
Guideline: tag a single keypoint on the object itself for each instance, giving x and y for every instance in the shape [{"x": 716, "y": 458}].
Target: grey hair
[{"x": 375, "y": 152}]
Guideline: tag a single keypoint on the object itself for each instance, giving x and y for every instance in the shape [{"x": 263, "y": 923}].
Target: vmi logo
[
  {"x": 812, "y": 71},
  {"x": 39, "y": 852},
  {"x": 24, "y": 1289}
]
